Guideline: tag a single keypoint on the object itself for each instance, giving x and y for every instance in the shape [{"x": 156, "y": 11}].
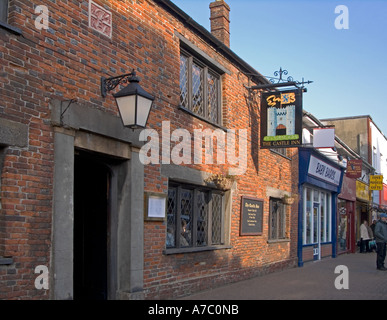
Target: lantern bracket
[
  {"x": 108, "y": 84},
  {"x": 62, "y": 112}
]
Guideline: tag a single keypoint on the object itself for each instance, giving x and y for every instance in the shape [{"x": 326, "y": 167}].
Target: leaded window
[
  {"x": 4, "y": 11},
  {"x": 184, "y": 98},
  {"x": 277, "y": 228},
  {"x": 194, "y": 217},
  {"x": 199, "y": 88}
]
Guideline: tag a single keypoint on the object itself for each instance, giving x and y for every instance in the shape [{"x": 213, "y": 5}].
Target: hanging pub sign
[{"x": 281, "y": 119}]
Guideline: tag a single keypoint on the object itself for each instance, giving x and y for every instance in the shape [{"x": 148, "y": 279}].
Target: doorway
[
  {"x": 91, "y": 224},
  {"x": 317, "y": 232}
]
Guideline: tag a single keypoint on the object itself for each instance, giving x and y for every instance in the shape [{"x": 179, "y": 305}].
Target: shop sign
[
  {"x": 354, "y": 168},
  {"x": 348, "y": 191},
  {"x": 376, "y": 183},
  {"x": 362, "y": 191},
  {"x": 323, "y": 138},
  {"x": 281, "y": 119},
  {"x": 324, "y": 171}
]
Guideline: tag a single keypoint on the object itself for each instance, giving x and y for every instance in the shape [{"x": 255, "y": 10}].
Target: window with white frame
[{"x": 317, "y": 216}]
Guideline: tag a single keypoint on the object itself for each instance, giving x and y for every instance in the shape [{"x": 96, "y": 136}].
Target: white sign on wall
[
  {"x": 323, "y": 137},
  {"x": 324, "y": 171}
]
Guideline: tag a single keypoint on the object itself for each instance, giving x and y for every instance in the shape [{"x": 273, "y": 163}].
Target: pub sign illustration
[{"x": 281, "y": 119}]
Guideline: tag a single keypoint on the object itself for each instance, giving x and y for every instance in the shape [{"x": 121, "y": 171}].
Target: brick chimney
[{"x": 220, "y": 21}]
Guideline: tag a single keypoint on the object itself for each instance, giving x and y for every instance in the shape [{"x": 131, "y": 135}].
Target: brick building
[{"x": 76, "y": 185}]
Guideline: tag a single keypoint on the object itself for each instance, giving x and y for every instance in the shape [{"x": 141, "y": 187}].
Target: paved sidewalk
[{"x": 314, "y": 281}]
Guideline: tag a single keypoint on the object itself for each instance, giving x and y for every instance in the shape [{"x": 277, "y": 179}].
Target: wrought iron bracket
[
  {"x": 108, "y": 84},
  {"x": 64, "y": 111},
  {"x": 289, "y": 82}
]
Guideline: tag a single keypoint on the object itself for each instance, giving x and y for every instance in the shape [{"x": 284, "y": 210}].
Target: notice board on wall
[{"x": 251, "y": 216}]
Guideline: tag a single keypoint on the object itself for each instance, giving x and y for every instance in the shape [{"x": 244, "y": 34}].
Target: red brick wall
[
  {"x": 26, "y": 178},
  {"x": 307, "y": 252},
  {"x": 66, "y": 61},
  {"x": 167, "y": 276}
]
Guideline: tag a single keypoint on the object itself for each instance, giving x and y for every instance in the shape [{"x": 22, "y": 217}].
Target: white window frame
[{"x": 325, "y": 214}]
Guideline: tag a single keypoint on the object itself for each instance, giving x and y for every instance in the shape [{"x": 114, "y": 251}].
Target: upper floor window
[
  {"x": 4, "y": 18},
  {"x": 199, "y": 88},
  {"x": 4, "y": 11}
]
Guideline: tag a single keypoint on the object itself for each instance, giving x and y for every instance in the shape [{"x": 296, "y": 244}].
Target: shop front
[
  {"x": 346, "y": 240},
  {"x": 379, "y": 199},
  {"x": 320, "y": 181},
  {"x": 383, "y": 199},
  {"x": 363, "y": 206}
]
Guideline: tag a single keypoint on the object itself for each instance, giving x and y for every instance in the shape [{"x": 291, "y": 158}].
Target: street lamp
[{"x": 133, "y": 102}]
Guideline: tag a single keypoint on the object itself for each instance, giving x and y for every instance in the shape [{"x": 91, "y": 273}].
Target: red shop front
[
  {"x": 383, "y": 198},
  {"x": 346, "y": 224}
]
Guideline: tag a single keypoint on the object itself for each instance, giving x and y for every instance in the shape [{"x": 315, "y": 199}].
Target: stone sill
[
  {"x": 195, "y": 249},
  {"x": 10, "y": 28},
  {"x": 6, "y": 261}
]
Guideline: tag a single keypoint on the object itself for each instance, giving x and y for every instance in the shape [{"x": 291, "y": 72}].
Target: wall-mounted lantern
[{"x": 133, "y": 102}]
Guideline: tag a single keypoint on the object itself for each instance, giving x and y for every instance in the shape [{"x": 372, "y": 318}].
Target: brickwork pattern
[{"x": 66, "y": 61}]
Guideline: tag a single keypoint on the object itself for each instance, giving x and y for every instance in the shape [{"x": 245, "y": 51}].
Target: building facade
[
  {"x": 79, "y": 191},
  {"x": 319, "y": 186},
  {"x": 363, "y": 136},
  {"x": 379, "y": 162},
  {"x": 321, "y": 176}
]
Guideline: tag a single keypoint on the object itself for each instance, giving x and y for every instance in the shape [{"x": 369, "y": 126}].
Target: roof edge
[{"x": 217, "y": 44}]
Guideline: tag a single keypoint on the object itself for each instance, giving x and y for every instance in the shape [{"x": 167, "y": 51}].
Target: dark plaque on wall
[{"x": 251, "y": 216}]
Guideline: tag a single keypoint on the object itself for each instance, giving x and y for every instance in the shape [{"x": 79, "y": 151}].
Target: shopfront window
[
  {"x": 343, "y": 225},
  {"x": 323, "y": 218},
  {"x": 308, "y": 217},
  {"x": 315, "y": 222},
  {"x": 317, "y": 216}
]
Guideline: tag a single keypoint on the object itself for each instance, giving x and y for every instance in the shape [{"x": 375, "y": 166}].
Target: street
[{"x": 313, "y": 281}]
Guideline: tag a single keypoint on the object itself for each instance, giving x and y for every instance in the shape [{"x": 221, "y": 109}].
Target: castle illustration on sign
[
  {"x": 281, "y": 115},
  {"x": 281, "y": 121}
]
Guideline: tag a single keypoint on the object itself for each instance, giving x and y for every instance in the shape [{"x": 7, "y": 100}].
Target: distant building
[{"x": 362, "y": 135}]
